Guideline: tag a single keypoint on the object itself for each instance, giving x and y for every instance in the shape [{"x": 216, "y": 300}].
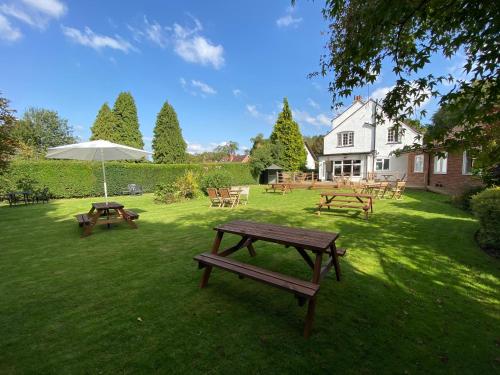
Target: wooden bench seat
[
  {"x": 301, "y": 288},
  {"x": 83, "y": 219},
  {"x": 366, "y": 208},
  {"x": 132, "y": 215}
]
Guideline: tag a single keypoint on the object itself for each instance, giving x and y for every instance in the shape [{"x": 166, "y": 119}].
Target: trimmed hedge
[{"x": 71, "y": 179}]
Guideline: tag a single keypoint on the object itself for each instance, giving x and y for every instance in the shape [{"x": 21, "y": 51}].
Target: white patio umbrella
[{"x": 95, "y": 151}]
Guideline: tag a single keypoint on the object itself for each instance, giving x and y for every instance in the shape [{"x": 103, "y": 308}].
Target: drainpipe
[{"x": 374, "y": 151}]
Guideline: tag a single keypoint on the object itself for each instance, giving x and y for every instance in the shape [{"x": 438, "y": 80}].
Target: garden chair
[
  {"x": 227, "y": 198},
  {"x": 215, "y": 200},
  {"x": 379, "y": 192},
  {"x": 398, "y": 190},
  {"x": 244, "y": 192},
  {"x": 42, "y": 195},
  {"x": 133, "y": 189}
]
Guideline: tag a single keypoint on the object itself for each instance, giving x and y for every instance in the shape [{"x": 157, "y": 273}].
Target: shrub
[
  {"x": 463, "y": 201},
  {"x": 217, "y": 179},
  {"x": 187, "y": 186},
  {"x": 486, "y": 207}
]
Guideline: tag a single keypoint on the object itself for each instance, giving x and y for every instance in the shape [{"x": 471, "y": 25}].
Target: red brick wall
[{"x": 453, "y": 182}]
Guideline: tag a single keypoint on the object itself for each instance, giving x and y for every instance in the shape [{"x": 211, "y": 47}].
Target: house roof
[{"x": 274, "y": 167}]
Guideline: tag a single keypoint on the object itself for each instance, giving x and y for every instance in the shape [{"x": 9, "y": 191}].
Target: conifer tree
[
  {"x": 168, "y": 144},
  {"x": 127, "y": 124},
  {"x": 104, "y": 125},
  {"x": 286, "y": 132}
]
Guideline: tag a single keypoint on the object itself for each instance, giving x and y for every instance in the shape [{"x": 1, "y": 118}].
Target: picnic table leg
[
  {"x": 215, "y": 249},
  {"x": 87, "y": 229},
  {"x": 336, "y": 264},
  {"x": 125, "y": 217},
  {"x": 311, "y": 306}
]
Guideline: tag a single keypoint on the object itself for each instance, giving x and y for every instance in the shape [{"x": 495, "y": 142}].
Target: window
[
  {"x": 418, "y": 166},
  {"x": 392, "y": 136},
  {"x": 345, "y": 139},
  {"x": 382, "y": 164},
  {"x": 467, "y": 164},
  {"x": 347, "y": 168},
  {"x": 441, "y": 164}
]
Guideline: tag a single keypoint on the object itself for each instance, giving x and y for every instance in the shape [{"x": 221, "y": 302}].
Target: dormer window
[
  {"x": 393, "y": 136},
  {"x": 345, "y": 139}
]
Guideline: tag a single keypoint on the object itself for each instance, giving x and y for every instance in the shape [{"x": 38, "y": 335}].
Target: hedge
[
  {"x": 69, "y": 179},
  {"x": 486, "y": 207}
]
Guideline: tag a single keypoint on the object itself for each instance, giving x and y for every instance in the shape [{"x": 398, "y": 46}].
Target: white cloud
[
  {"x": 312, "y": 103},
  {"x": 35, "y": 13},
  {"x": 196, "y": 87},
  {"x": 52, "y": 8},
  {"x": 318, "y": 120},
  {"x": 7, "y": 31},
  {"x": 203, "y": 87},
  {"x": 151, "y": 31},
  {"x": 237, "y": 92},
  {"x": 288, "y": 20},
  {"x": 90, "y": 39},
  {"x": 254, "y": 112},
  {"x": 198, "y": 148},
  {"x": 380, "y": 93}
]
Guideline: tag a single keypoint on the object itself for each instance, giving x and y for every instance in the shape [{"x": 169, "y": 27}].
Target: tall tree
[
  {"x": 127, "y": 123},
  {"x": 104, "y": 125},
  {"x": 228, "y": 148},
  {"x": 40, "y": 129},
  {"x": 257, "y": 141},
  {"x": 7, "y": 141},
  {"x": 405, "y": 35},
  {"x": 315, "y": 143},
  {"x": 168, "y": 144},
  {"x": 287, "y": 133}
]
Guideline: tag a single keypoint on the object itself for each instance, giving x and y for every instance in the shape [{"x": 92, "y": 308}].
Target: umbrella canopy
[{"x": 97, "y": 150}]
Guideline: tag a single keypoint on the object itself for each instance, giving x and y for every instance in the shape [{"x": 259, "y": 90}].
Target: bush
[
  {"x": 187, "y": 186},
  {"x": 463, "y": 201},
  {"x": 70, "y": 179},
  {"x": 165, "y": 193},
  {"x": 218, "y": 179},
  {"x": 486, "y": 207}
]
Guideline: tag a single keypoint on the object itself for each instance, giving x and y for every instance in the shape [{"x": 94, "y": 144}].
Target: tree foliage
[
  {"x": 104, "y": 125},
  {"x": 287, "y": 133},
  {"x": 266, "y": 154},
  {"x": 228, "y": 148},
  {"x": 40, "y": 129},
  {"x": 127, "y": 123},
  {"x": 168, "y": 144},
  {"x": 364, "y": 35},
  {"x": 7, "y": 141},
  {"x": 315, "y": 143}
]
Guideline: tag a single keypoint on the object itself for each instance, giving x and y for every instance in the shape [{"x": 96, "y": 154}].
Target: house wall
[
  {"x": 310, "y": 162},
  {"x": 454, "y": 182}
]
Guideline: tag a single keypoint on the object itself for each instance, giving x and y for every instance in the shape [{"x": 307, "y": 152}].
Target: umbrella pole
[{"x": 104, "y": 175}]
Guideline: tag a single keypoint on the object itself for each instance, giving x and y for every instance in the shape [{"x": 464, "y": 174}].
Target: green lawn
[{"x": 417, "y": 295}]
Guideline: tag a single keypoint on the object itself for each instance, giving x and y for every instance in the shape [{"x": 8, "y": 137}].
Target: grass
[{"x": 417, "y": 296}]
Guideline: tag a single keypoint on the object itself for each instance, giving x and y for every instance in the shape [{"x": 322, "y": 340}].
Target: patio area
[{"x": 417, "y": 294}]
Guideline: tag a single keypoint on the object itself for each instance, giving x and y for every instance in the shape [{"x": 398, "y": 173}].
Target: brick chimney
[{"x": 357, "y": 98}]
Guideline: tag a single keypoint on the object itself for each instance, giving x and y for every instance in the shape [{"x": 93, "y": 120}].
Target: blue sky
[{"x": 225, "y": 66}]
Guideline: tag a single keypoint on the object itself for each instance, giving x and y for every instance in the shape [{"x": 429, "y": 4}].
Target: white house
[
  {"x": 310, "y": 158},
  {"x": 357, "y": 145}
]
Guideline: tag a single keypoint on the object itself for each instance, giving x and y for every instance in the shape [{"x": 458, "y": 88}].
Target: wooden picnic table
[
  {"x": 283, "y": 188},
  {"x": 102, "y": 213},
  {"x": 348, "y": 200},
  {"x": 305, "y": 241}
]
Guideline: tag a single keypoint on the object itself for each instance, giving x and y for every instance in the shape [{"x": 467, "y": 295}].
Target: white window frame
[
  {"x": 382, "y": 160},
  {"x": 464, "y": 164},
  {"x": 441, "y": 164},
  {"x": 345, "y": 139},
  {"x": 421, "y": 163},
  {"x": 352, "y": 163},
  {"x": 393, "y": 136}
]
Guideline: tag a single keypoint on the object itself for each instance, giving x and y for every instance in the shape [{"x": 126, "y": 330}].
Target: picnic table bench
[
  {"x": 283, "y": 188},
  {"x": 303, "y": 240},
  {"x": 105, "y": 214},
  {"x": 348, "y": 200}
]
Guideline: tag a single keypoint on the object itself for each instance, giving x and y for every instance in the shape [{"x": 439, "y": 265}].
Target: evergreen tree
[
  {"x": 126, "y": 122},
  {"x": 287, "y": 133},
  {"x": 104, "y": 125},
  {"x": 168, "y": 144}
]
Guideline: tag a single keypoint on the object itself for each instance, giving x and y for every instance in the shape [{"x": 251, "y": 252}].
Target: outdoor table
[
  {"x": 348, "y": 200},
  {"x": 25, "y": 196},
  {"x": 368, "y": 188},
  {"x": 305, "y": 241},
  {"x": 103, "y": 213},
  {"x": 387, "y": 176}
]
